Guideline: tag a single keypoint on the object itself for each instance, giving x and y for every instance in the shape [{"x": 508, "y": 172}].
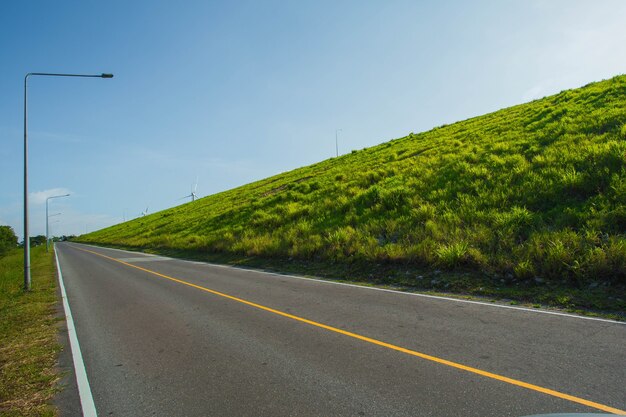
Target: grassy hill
[{"x": 525, "y": 199}]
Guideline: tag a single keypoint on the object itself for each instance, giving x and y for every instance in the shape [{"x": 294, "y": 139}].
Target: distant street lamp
[
  {"x": 337, "y": 141},
  {"x": 51, "y": 223},
  {"x": 26, "y": 236},
  {"x": 47, "y": 217}
]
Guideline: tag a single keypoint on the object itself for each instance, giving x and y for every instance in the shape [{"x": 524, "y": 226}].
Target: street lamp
[
  {"x": 26, "y": 236},
  {"x": 47, "y": 217},
  {"x": 337, "y": 141},
  {"x": 52, "y": 223}
]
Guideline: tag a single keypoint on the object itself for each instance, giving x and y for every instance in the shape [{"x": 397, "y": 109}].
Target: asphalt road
[{"x": 181, "y": 338}]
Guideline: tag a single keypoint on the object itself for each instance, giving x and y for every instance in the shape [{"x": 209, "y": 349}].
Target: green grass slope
[{"x": 532, "y": 195}]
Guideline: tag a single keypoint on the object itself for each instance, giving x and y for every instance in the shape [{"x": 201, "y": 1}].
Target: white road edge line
[
  {"x": 435, "y": 297},
  {"x": 84, "y": 391}
]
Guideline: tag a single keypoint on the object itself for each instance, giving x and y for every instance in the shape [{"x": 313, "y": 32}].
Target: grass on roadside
[
  {"x": 28, "y": 331},
  {"x": 603, "y": 301}
]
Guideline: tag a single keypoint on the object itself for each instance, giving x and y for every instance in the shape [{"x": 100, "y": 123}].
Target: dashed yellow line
[{"x": 456, "y": 365}]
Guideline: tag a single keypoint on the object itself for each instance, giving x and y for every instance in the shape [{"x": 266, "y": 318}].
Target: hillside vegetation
[{"x": 531, "y": 195}]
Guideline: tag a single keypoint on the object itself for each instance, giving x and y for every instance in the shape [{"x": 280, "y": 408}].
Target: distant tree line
[
  {"x": 41, "y": 240},
  {"x": 36, "y": 240},
  {"x": 8, "y": 239},
  {"x": 63, "y": 238}
]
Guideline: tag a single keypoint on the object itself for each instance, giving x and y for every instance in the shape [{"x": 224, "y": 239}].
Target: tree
[
  {"x": 37, "y": 240},
  {"x": 8, "y": 240}
]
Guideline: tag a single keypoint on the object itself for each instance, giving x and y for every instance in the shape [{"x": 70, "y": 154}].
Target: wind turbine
[
  {"x": 193, "y": 194},
  {"x": 337, "y": 141},
  {"x": 145, "y": 212}
]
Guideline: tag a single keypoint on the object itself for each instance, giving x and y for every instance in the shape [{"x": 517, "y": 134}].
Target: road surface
[{"x": 169, "y": 337}]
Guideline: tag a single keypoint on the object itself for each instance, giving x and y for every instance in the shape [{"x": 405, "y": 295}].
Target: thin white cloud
[
  {"x": 70, "y": 222},
  {"x": 77, "y": 223},
  {"x": 55, "y": 136},
  {"x": 584, "y": 48},
  {"x": 533, "y": 93},
  {"x": 39, "y": 197}
]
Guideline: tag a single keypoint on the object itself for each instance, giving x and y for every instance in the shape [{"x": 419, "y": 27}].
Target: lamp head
[{"x": 107, "y": 75}]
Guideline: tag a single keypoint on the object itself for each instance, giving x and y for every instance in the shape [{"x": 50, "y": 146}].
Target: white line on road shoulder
[
  {"x": 84, "y": 391},
  {"x": 444, "y": 298},
  {"x": 414, "y": 294}
]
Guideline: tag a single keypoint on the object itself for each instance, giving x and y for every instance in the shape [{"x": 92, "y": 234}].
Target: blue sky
[{"x": 232, "y": 92}]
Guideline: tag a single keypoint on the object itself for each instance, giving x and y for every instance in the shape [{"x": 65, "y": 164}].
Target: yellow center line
[{"x": 381, "y": 343}]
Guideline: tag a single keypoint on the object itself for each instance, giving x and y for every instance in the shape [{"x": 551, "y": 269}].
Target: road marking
[
  {"x": 84, "y": 391},
  {"x": 446, "y": 362},
  {"x": 144, "y": 259},
  {"x": 439, "y": 297},
  {"x": 434, "y": 297}
]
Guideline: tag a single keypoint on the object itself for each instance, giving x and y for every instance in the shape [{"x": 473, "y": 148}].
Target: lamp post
[
  {"x": 53, "y": 215},
  {"x": 51, "y": 223},
  {"x": 26, "y": 236},
  {"x": 47, "y": 217},
  {"x": 337, "y": 141}
]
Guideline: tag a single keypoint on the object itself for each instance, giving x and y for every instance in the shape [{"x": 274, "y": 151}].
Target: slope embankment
[{"x": 528, "y": 202}]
